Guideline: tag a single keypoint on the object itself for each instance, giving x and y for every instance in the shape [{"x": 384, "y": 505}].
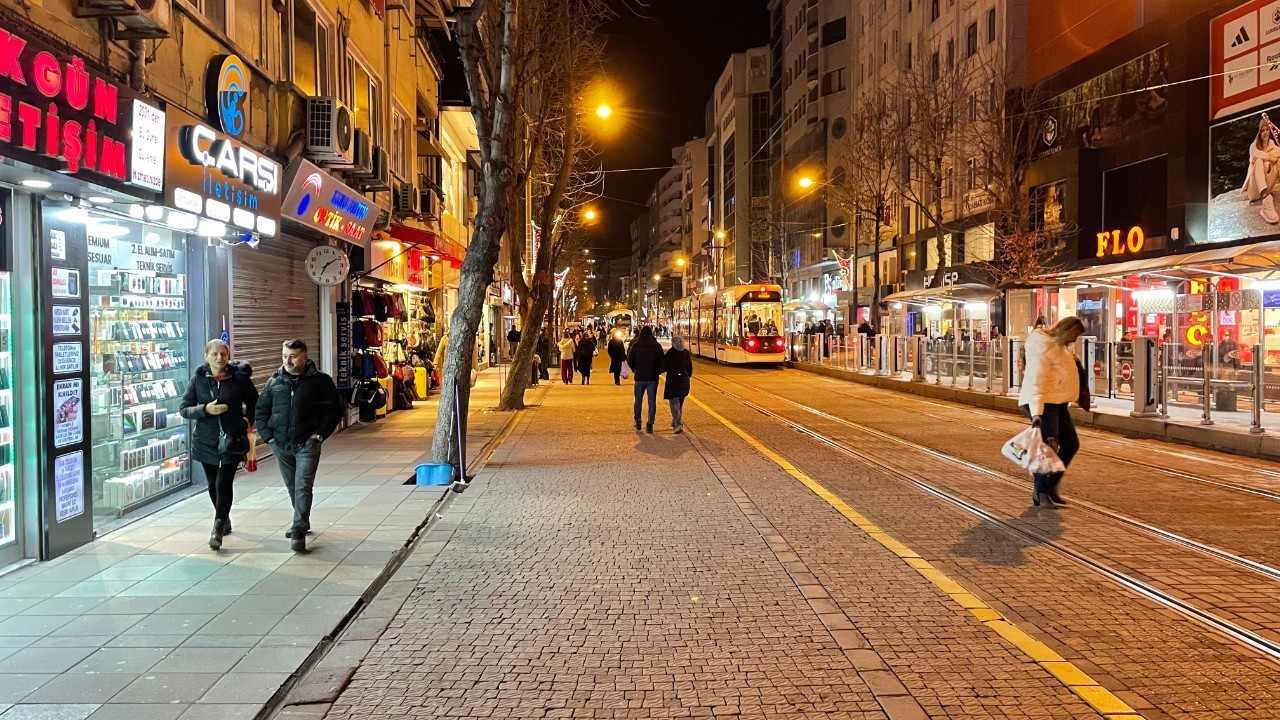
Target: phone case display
[
  {"x": 139, "y": 371},
  {"x": 8, "y": 482}
]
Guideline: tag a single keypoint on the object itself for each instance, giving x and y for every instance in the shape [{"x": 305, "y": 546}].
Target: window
[
  {"x": 833, "y": 82},
  {"x": 310, "y": 55},
  {"x": 364, "y": 99},
  {"x": 949, "y": 183},
  {"x": 991, "y": 25},
  {"x": 833, "y": 32},
  {"x": 884, "y": 52},
  {"x": 951, "y": 54},
  {"x": 935, "y": 68},
  {"x": 908, "y": 56},
  {"x": 759, "y": 141},
  {"x": 973, "y": 106},
  {"x": 215, "y": 11},
  {"x": 934, "y": 10},
  {"x": 972, "y": 174},
  {"x": 401, "y": 144},
  {"x": 971, "y": 40}
]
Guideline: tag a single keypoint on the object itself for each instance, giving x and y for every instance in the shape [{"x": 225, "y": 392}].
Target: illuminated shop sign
[
  {"x": 227, "y": 94},
  {"x": 219, "y": 178},
  {"x": 57, "y": 113},
  {"x": 318, "y": 201},
  {"x": 1114, "y": 243}
]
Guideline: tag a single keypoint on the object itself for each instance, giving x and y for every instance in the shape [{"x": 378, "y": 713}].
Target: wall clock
[{"x": 327, "y": 265}]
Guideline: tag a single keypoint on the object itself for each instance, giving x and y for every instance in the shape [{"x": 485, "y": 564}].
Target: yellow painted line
[{"x": 1075, "y": 679}]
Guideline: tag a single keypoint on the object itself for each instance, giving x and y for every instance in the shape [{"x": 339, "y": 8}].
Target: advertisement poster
[
  {"x": 68, "y": 483},
  {"x": 1244, "y": 176},
  {"x": 66, "y": 320},
  {"x": 67, "y": 358},
  {"x": 68, "y": 421},
  {"x": 66, "y": 283},
  {"x": 57, "y": 245}
]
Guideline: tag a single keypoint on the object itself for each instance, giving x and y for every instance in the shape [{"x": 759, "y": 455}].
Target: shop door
[
  {"x": 10, "y": 509},
  {"x": 272, "y": 300}
]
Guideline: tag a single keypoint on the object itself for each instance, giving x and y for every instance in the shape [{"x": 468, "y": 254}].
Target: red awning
[{"x": 449, "y": 251}]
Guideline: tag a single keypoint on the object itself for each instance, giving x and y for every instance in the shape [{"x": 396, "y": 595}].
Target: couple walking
[
  {"x": 647, "y": 362},
  {"x": 298, "y": 410}
]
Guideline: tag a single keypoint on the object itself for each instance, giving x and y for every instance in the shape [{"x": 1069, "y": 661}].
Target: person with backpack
[
  {"x": 220, "y": 400},
  {"x": 645, "y": 358},
  {"x": 298, "y": 410}
]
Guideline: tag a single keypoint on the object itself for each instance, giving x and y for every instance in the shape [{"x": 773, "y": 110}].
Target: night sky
[{"x": 665, "y": 56}]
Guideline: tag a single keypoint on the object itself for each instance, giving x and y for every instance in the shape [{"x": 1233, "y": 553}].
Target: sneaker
[
  {"x": 299, "y": 543},
  {"x": 289, "y": 533},
  {"x": 679, "y": 430}
]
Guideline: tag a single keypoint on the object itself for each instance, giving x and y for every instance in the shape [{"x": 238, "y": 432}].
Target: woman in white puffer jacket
[{"x": 1049, "y": 384}]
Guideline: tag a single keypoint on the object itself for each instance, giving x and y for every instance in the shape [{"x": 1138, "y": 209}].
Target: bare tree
[
  {"x": 512, "y": 52},
  {"x": 770, "y": 244},
  {"x": 556, "y": 152},
  {"x": 935, "y": 93},
  {"x": 871, "y": 157},
  {"x": 1007, "y": 119}
]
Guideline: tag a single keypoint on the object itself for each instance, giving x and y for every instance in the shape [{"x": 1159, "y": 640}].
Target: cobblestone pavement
[
  {"x": 147, "y": 623},
  {"x": 1155, "y": 659},
  {"x": 596, "y": 572}
]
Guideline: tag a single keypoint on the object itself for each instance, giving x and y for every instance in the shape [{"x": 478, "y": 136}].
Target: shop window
[
  {"x": 8, "y": 473},
  {"x": 980, "y": 244},
  {"x": 137, "y": 358},
  {"x": 311, "y": 42}
]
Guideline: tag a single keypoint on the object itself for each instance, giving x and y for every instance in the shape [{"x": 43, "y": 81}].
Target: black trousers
[{"x": 219, "y": 478}]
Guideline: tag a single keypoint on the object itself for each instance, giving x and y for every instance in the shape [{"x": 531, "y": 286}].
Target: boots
[
  {"x": 1042, "y": 500},
  {"x": 298, "y": 540},
  {"x": 215, "y": 537},
  {"x": 1052, "y": 489}
]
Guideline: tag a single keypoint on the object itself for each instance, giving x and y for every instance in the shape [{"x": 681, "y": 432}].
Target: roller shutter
[{"x": 273, "y": 300}]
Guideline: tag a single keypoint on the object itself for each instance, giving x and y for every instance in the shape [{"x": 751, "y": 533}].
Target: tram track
[
  {"x": 1088, "y": 449},
  {"x": 1259, "y": 643}
]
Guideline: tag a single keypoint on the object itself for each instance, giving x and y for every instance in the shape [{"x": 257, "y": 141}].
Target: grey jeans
[
  {"x": 298, "y": 465},
  {"x": 677, "y": 411}
]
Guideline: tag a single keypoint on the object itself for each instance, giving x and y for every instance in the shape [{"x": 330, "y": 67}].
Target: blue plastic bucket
[{"x": 435, "y": 474}]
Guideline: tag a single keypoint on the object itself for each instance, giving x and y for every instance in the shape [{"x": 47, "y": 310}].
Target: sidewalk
[
  {"x": 147, "y": 623},
  {"x": 595, "y": 572}
]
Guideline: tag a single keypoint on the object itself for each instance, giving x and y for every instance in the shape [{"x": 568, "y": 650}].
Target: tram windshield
[{"x": 760, "y": 318}]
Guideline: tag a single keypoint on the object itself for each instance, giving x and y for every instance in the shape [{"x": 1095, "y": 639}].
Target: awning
[
  {"x": 449, "y": 251},
  {"x": 805, "y": 306},
  {"x": 1229, "y": 260},
  {"x": 964, "y": 292}
]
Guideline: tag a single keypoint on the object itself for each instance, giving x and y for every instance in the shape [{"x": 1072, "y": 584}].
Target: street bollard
[
  {"x": 1259, "y": 388},
  {"x": 955, "y": 361},
  {"x": 919, "y": 358},
  {"x": 971, "y": 343},
  {"x": 1206, "y": 394},
  {"x": 991, "y": 365},
  {"x": 882, "y": 355},
  {"x": 937, "y": 362}
]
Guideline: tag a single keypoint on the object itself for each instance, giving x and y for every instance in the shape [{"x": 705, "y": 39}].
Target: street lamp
[
  {"x": 590, "y": 215},
  {"x": 805, "y": 182},
  {"x": 604, "y": 111}
]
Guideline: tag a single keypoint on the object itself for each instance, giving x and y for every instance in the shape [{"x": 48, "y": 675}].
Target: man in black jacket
[
  {"x": 645, "y": 359},
  {"x": 298, "y": 410}
]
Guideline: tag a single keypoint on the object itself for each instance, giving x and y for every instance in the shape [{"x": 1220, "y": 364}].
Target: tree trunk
[
  {"x": 531, "y": 321},
  {"x": 476, "y": 276}
]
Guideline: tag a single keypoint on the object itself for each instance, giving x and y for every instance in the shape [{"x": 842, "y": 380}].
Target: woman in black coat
[
  {"x": 220, "y": 400},
  {"x": 586, "y": 356},
  {"x": 617, "y": 356},
  {"x": 679, "y": 364}
]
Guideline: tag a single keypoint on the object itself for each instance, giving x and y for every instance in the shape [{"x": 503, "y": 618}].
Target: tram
[
  {"x": 739, "y": 324},
  {"x": 619, "y": 322}
]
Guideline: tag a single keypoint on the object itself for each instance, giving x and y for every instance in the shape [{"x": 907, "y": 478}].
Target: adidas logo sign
[{"x": 1242, "y": 37}]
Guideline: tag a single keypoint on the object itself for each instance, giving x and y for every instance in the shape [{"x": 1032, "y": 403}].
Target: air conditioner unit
[
  {"x": 380, "y": 179},
  {"x": 329, "y": 134},
  {"x": 407, "y": 200},
  {"x": 138, "y": 19},
  {"x": 430, "y": 204},
  {"x": 361, "y": 155}
]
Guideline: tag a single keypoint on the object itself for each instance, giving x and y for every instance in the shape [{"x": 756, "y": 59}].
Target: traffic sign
[
  {"x": 1097, "y": 368},
  {"x": 1126, "y": 371}
]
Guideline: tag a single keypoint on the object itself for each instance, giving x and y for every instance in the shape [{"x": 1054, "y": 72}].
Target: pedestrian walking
[
  {"x": 298, "y": 410},
  {"x": 513, "y": 338},
  {"x": 543, "y": 350},
  {"x": 679, "y": 365},
  {"x": 645, "y": 360},
  {"x": 1051, "y": 381},
  {"x": 617, "y": 355},
  {"x": 537, "y": 370},
  {"x": 221, "y": 400},
  {"x": 586, "y": 355},
  {"x": 567, "y": 349}
]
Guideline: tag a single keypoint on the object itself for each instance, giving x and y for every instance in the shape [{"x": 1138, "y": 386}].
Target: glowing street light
[
  {"x": 590, "y": 215},
  {"x": 657, "y": 277},
  {"x": 805, "y": 182},
  {"x": 720, "y": 234},
  {"x": 679, "y": 262},
  {"x": 604, "y": 111}
]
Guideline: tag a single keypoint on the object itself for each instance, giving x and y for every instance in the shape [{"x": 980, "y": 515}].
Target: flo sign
[{"x": 59, "y": 114}]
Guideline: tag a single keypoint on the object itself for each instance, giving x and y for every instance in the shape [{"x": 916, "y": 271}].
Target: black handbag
[{"x": 233, "y": 444}]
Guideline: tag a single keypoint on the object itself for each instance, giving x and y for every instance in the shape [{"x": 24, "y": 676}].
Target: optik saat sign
[{"x": 57, "y": 113}]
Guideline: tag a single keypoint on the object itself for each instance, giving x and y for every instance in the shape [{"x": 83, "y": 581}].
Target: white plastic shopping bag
[{"x": 1030, "y": 452}]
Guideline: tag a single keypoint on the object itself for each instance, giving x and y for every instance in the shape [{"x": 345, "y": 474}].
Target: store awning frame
[
  {"x": 1235, "y": 261},
  {"x": 448, "y": 251},
  {"x": 964, "y": 292}
]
